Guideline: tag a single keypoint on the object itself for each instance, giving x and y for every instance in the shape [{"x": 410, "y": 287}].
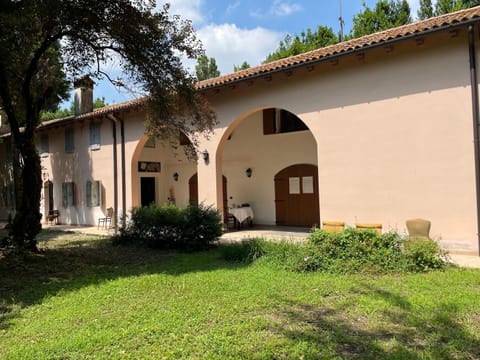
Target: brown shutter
[{"x": 268, "y": 121}]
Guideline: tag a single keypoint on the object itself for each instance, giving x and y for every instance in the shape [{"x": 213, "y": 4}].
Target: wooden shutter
[
  {"x": 268, "y": 121},
  {"x": 88, "y": 191},
  {"x": 96, "y": 193},
  {"x": 69, "y": 143},
  {"x": 64, "y": 195}
]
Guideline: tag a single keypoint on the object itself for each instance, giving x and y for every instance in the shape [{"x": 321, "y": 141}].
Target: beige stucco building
[{"x": 379, "y": 129}]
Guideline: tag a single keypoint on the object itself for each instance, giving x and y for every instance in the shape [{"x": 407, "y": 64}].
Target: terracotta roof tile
[
  {"x": 419, "y": 27},
  {"x": 97, "y": 112}
]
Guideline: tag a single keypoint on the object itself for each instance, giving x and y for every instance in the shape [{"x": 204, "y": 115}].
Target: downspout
[
  {"x": 124, "y": 186},
  {"x": 476, "y": 122},
  {"x": 115, "y": 175}
]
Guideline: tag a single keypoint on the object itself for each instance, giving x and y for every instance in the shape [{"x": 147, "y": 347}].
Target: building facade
[{"x": 379, "y": 129}]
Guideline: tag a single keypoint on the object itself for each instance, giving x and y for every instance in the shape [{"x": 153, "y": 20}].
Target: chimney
[{"x": 83, "y": 95}]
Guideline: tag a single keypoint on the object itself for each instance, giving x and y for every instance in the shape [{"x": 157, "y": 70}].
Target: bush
[
  {"x": 168, "y": 227},
  {"x": 423, "y": 254},
  {"x": 353, "y": 251}
]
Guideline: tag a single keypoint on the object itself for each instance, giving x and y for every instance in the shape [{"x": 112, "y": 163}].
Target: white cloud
[
  {"x": 282, "y": 8},
  {"x": 231, "y": 45},
  {"x": 278, "y": 8},
  {"x": 231, "y": 7},
  {"x": 187, "y": 9}
]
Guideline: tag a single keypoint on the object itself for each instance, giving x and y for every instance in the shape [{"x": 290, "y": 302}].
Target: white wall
[{"x": 266, "y": 155}]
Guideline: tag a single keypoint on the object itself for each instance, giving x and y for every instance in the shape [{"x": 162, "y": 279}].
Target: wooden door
[
  {"x": 193, "y": 190},
  {"x": 296, "y": 196}
]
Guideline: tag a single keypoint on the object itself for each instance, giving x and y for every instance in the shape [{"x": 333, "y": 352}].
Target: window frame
[
  {"x": 93, "y": 193},
  {"x": 69, "y": 140},
  {"x": 95, "y": 135},
  {"x": 68, "y": 194}
]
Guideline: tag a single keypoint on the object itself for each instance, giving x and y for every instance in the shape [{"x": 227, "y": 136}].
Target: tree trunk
[{"x": 26, "y": 223}]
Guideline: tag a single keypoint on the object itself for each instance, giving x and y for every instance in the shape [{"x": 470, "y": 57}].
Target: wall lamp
[
  {"x": 206, "y": 156},
  {"x": 175, "y": 176},
  {"x": 249, "y": 172}
]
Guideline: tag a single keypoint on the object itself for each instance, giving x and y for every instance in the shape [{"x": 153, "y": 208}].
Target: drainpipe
[
  {"x": 115, "y": 174},
  {"x": 119, "y": 120},
  {"x": 476, "y": 122}
]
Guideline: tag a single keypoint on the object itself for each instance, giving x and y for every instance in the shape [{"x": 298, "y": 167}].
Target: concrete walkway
[{"x": 265, "y": 232}]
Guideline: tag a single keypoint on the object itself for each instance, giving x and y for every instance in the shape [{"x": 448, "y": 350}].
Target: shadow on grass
[
  {"x": 401, "y": 332},
  {"x": 68, "y": 262}
]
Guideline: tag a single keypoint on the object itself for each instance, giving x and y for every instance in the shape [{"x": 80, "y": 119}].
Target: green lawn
[{"x": 83, "y": 299}]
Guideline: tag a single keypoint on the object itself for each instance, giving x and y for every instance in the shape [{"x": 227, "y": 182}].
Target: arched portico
[
  {"x": 160, "y": 173},
  {"x": 253, "y": 149}
]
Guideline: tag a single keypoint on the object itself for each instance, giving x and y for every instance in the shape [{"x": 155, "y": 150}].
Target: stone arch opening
[
  {"x": 253, "y": 149},
  {"x": 163, "y": 169}
]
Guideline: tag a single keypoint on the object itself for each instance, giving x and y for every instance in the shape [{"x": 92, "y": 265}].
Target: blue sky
[{"x": 233, "y": 31}]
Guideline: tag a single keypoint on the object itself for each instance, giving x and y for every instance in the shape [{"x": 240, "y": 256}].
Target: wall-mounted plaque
[{"x": 148, "y": 166}]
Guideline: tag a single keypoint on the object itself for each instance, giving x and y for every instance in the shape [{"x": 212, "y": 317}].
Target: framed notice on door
[
  {"x": 294, "y": 185},
  {"x": 307, "y": 184}
]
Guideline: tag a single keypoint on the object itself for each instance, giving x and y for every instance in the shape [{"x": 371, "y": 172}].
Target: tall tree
[
  {"x": 206, "y": 68},
  {"x": 470, "y": 3},
  {"x": 448, "y": 6},
  {"x": 86, "y": 34},
  {"x": 425, "y": 10},
  {"x": 309, "y": 40},
  {"x": 245, "y": 65},
  {"x": 385, "y": 15}
]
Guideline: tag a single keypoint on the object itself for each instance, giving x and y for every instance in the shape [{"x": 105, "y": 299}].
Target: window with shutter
[
  {"x": 94, "y": 136},
  {"x": 44, "y": 145},
  {"x": 69, "y": 140},
  {"x": 278, "y": 121},
  {"x": 94, "y": 193},
  {"x": 68, "y": 194}
]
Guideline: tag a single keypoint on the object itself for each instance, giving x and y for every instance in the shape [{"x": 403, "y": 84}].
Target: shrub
[
  {"x": 423, "y": 254},
  {"x": 351, "y": 251},
  {"x": 354, "y": 251},
  {"x": 168, "y": 227}
]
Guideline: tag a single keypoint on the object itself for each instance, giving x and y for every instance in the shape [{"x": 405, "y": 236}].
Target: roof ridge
[{"x": 360, "y": 42}]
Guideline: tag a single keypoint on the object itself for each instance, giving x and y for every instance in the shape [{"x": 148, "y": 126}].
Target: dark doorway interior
[{"x": 147, "y": 189}]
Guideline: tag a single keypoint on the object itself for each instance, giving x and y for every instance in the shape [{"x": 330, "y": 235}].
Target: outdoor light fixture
[
  {"x": 175, "y": 176},
  {"x": 205, "y": 155},
  {"x": 248, "y": 172}
]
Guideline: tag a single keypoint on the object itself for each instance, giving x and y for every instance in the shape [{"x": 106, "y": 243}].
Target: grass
[{"x": 83, "y": 299}]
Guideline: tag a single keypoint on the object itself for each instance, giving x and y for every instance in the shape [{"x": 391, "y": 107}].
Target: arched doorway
[
  {"x": 193, "y": 193},
  {"x": 296, "y": 196}
]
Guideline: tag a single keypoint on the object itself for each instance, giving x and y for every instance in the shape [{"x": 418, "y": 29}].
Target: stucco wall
[
  {"x": 390, "y": 130},
  {"x": 393, "y": 133},
  {"x": 266, "y": 155},
  {"x": 79, "y": 167}
]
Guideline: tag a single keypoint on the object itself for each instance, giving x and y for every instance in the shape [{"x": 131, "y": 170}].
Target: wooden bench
[{"x": 52, "y": 216}]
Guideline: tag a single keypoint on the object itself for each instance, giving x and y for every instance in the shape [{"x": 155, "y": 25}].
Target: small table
[{"x": 242, "y": 214}]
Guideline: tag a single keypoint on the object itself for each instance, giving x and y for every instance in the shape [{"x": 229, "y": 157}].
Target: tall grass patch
[{"x": 347, "y": 252}]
